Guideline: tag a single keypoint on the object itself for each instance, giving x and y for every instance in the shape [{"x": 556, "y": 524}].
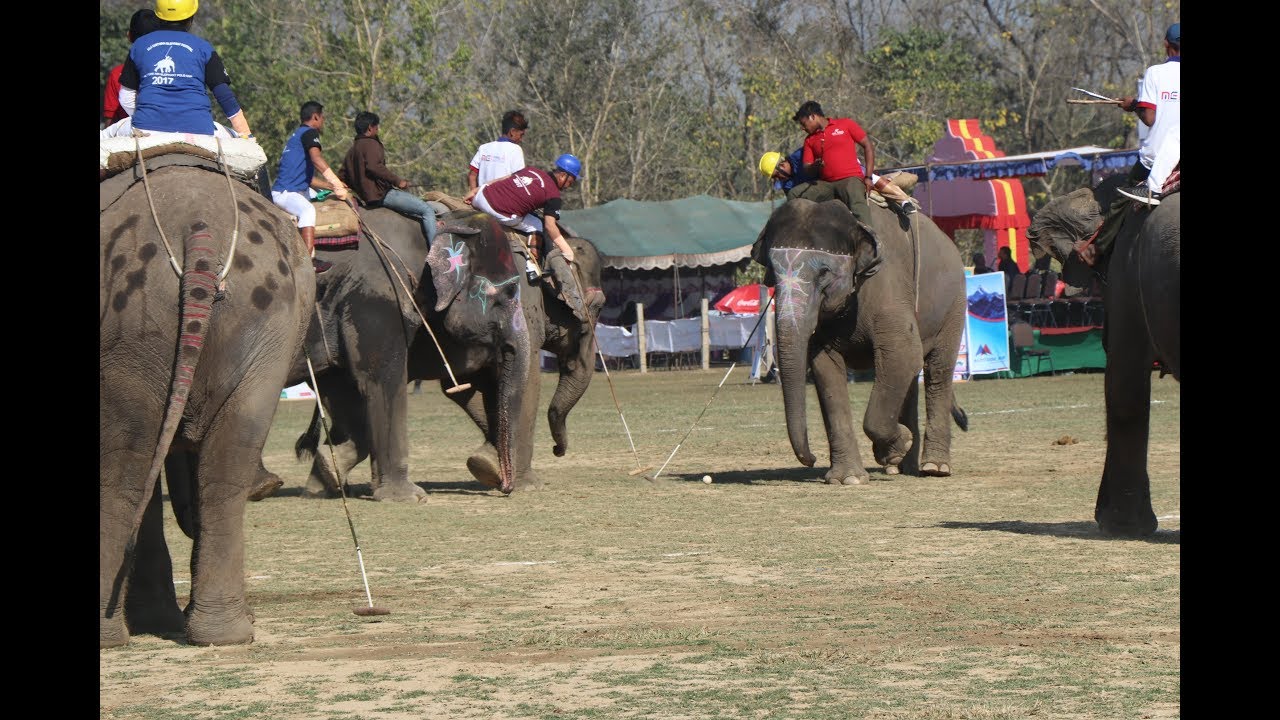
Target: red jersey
[
  {"x": 111, "y": 110},
  {"x": 837, "y": 145},
  {"x": 524, "y": 191}
]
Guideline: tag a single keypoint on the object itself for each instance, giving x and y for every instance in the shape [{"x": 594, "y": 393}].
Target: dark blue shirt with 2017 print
[
  {"x": 170, "y": 69},
  {"x": 296, "y": 169}
]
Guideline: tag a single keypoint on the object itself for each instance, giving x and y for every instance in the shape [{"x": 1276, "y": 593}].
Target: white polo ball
[{"x": 706, "y": 479}]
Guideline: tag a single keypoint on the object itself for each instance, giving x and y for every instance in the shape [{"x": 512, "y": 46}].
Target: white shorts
[
  {"x": 297, "y": 205},
  {"x": 1167, "y": 157},
  {"x": 527, "y": 224}
]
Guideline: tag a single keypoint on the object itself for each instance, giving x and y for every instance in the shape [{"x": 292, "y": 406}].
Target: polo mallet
[
  {"x": 342, "y": 486},
  {"x": 1094, "y": 95},
  {"x": 713, "y": 395},
  {"x": 639, "y": 468},
  {"x": 695, "y": 422},
  {"x": 377, "y": 242}
]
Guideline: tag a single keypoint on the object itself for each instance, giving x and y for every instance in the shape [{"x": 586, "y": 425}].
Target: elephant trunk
[
  {"x": 793, "y": 366},
  {"x": 513, "y": 368},
  {"x": 575, "y": 375}
]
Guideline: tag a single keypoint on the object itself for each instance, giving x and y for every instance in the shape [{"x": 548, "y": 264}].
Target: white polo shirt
[
  {"x": 497, "y": 159},
  {"x": 1161, "y": 87}
]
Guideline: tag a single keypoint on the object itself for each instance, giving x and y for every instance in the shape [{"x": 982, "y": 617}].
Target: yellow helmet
[
  {"x": 769, "y": 162},
  {"x": 174, "y": 10}
]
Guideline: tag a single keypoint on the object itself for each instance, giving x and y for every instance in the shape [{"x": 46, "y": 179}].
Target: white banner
[{"x": 725, "y": 333}]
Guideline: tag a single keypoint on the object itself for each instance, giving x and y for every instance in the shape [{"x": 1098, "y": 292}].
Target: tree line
[{"x": 663, "y": 99}]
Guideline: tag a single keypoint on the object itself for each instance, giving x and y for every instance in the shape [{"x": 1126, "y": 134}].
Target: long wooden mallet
[
  {"x": 371, "y": 609},
  {"x": 695, "y": 422},
  {"x": 639, "y": 468}
]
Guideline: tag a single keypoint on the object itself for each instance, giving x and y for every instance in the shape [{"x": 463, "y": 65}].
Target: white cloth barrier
[{"x": 726, "y": 333}]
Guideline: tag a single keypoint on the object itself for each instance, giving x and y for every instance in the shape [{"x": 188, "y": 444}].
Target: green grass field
[{"x": 765, "y": 594}]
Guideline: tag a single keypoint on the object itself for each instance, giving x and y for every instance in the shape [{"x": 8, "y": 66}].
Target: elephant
[
  {"x": 847, "y": 298},
  {"x": 371, "y": 338},
  {"x": 191, "y": 368},
  {"x": 1141, "y": 326},
  {"x": 552, "y": 327}
]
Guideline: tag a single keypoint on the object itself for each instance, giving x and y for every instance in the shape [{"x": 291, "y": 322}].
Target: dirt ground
[{"x": 764, "y": 594}]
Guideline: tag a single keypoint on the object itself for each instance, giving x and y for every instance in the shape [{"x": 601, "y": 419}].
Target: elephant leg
[
  {"x": 1123, "y": 507},
  {"x": 483, "y": 462},
  {"x": 266, "y": 485},
  {"x": 386, "y": 406},
  {"x": 344, "y": 446},
  {"x": 832, "y": 384},
  {"x": 909, "y": 418},
  {"x": 218, "y": 612},
  {"x": 939, "y": 397},
  {"x": 151, "y": 605},
  {"x": 179, "y": 474},
  {"x": 896, "y": 373},
  {"x": 124, "y": 458}
]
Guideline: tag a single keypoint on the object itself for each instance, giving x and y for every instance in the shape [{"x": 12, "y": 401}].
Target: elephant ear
[
  {"x": 865, "y": 250},
  {"x": 450, "y": 259},
  {"x": 1063, "y": 221},
  {"x": 760, "y": 254}
]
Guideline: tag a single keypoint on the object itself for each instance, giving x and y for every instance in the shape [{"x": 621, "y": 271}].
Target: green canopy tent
[{"x": 670, "y": 254}]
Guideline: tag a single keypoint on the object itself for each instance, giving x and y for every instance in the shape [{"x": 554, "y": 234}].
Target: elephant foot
[
  {"x": 207, "y": 629},
  {"x": 893, "y": 452},
  {"x": 317, "y": 489},
  {"x": 404, "y": 491},
  {"x": 483, "y": 466},
  {"x": 892, "y": 470},
  {"x": 1117, "y": 525},
  {"x": 164, "y": 619},
  {"x": 267, "y": 486},
  {"x": 112, "y": 633},
  {"x": 933, "y": 469},
  {"x": 527, "y": 481},
  {"x": 844, "y": 475}
]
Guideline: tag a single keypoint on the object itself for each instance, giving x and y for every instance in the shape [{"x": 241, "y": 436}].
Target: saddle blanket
[
  {"x": 346, "y": 242},
  {"x": 243, "y": 157}
]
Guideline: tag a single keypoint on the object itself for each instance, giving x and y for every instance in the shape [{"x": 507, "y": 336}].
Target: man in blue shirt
[
  {"x": 296, "y": 177},
  {"x": 786, "y": 171},
  {"x": 169, "y": 72}
]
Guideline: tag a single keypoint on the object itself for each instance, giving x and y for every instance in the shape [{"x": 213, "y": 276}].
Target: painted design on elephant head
[
  {"x": 792, "y": 289},
  {"x": 456, "y": 259},
  {"x": 486, "y": 288}
]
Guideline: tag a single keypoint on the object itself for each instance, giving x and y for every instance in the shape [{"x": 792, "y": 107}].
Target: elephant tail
[
  {"x": 959, "y": 415},
  {"x": 305, "y": 448},
  {"x": 199, "y": 288}
]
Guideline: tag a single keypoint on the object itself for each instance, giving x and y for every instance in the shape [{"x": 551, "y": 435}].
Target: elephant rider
[
  {"x": 514, "y": 198},
  {"x": 830, "y": 154},
  {"x": 786, "y": 176},
  {"x": 141, "y": 23},
  {"x": 364, "y": 170},
  {"x": 162, "y": 85},
  {"x": 1158, "y": 107},
  {"x": 296, "y": 180}
]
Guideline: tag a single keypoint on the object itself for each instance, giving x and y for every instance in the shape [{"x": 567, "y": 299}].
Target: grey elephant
[
  {"x": 1142, "y": 307},
  {"x": 552, "y": 327},
  {"x": 190, "y": 374},
  {"x": 371, "y": 340},
  {"x": 888, "y": 296}
]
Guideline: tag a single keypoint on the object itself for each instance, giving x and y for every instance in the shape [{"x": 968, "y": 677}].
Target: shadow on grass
[
  {"x": 364, "y": 491},
  {"x": 752, "y": 477},
  {"x": 1088, "y": 530}
]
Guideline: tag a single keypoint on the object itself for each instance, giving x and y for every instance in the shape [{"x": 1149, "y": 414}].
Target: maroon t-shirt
[{"x": 524, "y": 191}]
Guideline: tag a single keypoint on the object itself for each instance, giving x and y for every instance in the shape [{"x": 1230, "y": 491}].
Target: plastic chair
[
  {"x": 1024, "y": 342},
  {"x": 1013, "y": 299}
]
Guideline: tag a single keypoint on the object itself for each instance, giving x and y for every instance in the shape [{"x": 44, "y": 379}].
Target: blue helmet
[{"x": 570, "y": 164}]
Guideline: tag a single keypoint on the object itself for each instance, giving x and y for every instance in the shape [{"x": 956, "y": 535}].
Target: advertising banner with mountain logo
[{"x": 986, "y": 324}]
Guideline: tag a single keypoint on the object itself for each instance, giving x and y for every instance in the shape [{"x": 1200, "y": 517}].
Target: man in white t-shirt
[
  {"x": 1158, "y": 106},
  {"x": 501, "y": 157}
]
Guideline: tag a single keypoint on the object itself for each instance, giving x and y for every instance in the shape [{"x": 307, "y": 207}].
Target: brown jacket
[{"x": 364, "y": 170}]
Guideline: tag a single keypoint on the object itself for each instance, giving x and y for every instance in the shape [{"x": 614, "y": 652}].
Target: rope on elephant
[
  {"x": 146, "y": 185},
  {"x": 235, "y": 209},
  {"x": 377, "y": 243}
]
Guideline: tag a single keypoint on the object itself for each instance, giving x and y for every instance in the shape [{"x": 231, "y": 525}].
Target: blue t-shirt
[
  {"x": 797, "y": 176},
  {"x": 172, "y": 67},
  {"x": 296, "y": 169}
]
